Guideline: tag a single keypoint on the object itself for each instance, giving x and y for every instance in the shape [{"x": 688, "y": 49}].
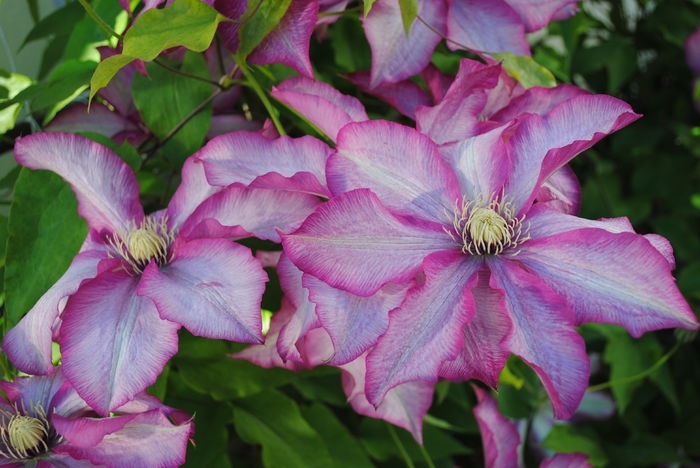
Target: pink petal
[
  {"x": 28, "y": 344},
  {"x": 227, "y": 123},
  {"x": 395, "y": 56},
  {"x": 561, "y": 191},
  {"x": 485, "y": 26},
  {"x": 244, "y": 157},
  {"x": 404, "y": 405},
  {"x": 543, "y": 335},
  {"x": 482, "y": 357},
  {"x": 320, "y": 103},
  {"x": 426, "y": 329},
  {"x": 536, "y": 14},
  {"x": 149, "y": 439},
  {"x": 499, "y": 435},
  {"x": 567, "y": 460},
  {"x": 610, "y": 278},
  {"x": 354, "y": 323},
  {"x": 213, "y": 287},
  {"x": 88, "y": 432},
  {"x": 405, "y": 95},
  {"x": 288, "y": 43},
  {"x": 438, "y": 82},
  {"x": 538, "y": 101},
  {"x": 193, "y": 190},
  {"x": 36, "y": 390},
  {"x": 354, "y": 243},
  {"x": 113, "y": 342},
  {"x": 543, "y": 144},
  {"x": 401, "y": 166},
  {"x": 118, "y": 90},
  {"x": 106, "y": 188},
  {"x": 100, "y": 119},
  {"x": 239, "y": 211}
]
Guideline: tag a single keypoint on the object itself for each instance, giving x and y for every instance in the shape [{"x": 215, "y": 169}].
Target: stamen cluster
[
  {"x": 150, "y": 240},
  {"x": 487, "y": 227},
  {"x": 22, "y": 436}
]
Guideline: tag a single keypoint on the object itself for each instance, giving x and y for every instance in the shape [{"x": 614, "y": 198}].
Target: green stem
[
  {"x": 261, "y": 94},
  {"x": 188, "y": 75},
  {"x": 399, "y": 445},
  {"x": 639, "y": 376},
  {"x": 107, "y": 28},
  {"x": 426, "y": 456}
]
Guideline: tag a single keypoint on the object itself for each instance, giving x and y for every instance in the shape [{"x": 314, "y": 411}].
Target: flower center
[
  {"x": 150, "y": 240},
  {"x": 26, "y": 433},
  {"x": 23, "y": 437},
  {"x": 487, "y": 228}
]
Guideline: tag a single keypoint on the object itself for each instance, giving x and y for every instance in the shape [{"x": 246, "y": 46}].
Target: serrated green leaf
[
  {"x": 409, "y": 12},
  {"x": 260, "y": 19},
  {"x": 524, "y": 69},
  {"x": 106, "y": 70},
  {"x": 44, "y": 234},
  {"x": 274, "y": 421}
]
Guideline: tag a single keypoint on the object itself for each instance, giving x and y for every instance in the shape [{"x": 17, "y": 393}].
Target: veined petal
[
  {"x": 566, "y": 460},
  {"x": 28, "y": 344},
  {"x": 354, "y": 323},
  {"x": 106, "y": 188},
  {"x": 404, "y": 405},
  {"x": 401, "y": 166},
  {"x": 536, "y": 14},
  {"x": 193, "y": 190},
  {"x": 542, "y": 144},
  {"x": 320, "y": 103},
  {"x": 561, "y": 191},
  {"x": 288, "y": 43},
  {"x": 239, "y": 211},
  {"x": 482, "y": 357},
  {"x": 405, "y": 95},
  {"x": 113, "y": 342},
  {"x": 88, "y": 432},
  {"x": 99, "y": 120},
  {"x": 148, "y": 439},
  {"x": 427, "y": 328},
  {"x": 485, "y": 26},
  {"x": 213, "y": 287},
  {"x": 354, "y": 243},
  {"x": 36, "y": 390},
  {"x": 610, "y": 278},
  {"x": 499, "y": 435},
  {"x": 395, "y": 56},
  {"x": 537, "y": 100},
  {"x": 242, "y": 157},
  {"x": 543, "y": 334}
]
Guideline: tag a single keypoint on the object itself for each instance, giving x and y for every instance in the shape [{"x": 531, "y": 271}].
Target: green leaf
[
  {"x": 57, "y": 23},
  {"x": 106, "y": 70},
  {"x": 274, "y": 421},
  {"x": 564, "y": 438},
  {"x": 524, "y": 69},
  {"x": 13, "y": 84},
  {"x": 260, "y": 19},
  {"x": 164, "y": 99},
  {"x": 367, "y": 6},
  {"x": 44, "y": 234},
  {"x": 409, "y": 12},
  {"x": 344, "y": 448},
  {"x": 186, "y": 23}
]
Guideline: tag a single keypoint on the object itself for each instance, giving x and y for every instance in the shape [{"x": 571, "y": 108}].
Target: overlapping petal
[
  {"x": 405, "y": 95},
  {"x": 499, "y": 435},
  {"x": 561, "y": 191},
  {"x": 193, "y": 190},
  {"x": 536, "y": 14}
]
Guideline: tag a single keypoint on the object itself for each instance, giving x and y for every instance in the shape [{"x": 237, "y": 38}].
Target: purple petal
[
  {"x": 243, "y": 157},
  {"x": 401, "y": 166},
  {"x": 404, "y": 405},
  {"x": 354, "y": 243},
  {"x": 99, "y": 120},
  {"x": 106, "y": 188},
  {"x": 227, "y": 123},
  {"x": 692, "y": 51},
  {"x": 458, "y": 115},
  {"x": 118, "y": 90},
  {"x": 482, "y": 357},
  {"x": 113, "y": 342},
  {"x": 149, "y": 439},
  {"x": 536, "y": 14},
  {"x": 288, "y": 43},
  {"x": 28, "y": 344},
  {"x": 537, "y": 100},
  {"x": 354, "y": 323},
  {"x": 239, "y": 211},
  {"x": 406, "y": 96},
  {"x": 561, "y": 191},
  {"x": 426, "y": 329},
  {"x": 499, "y": 435},
  {"x": 395, "y": 56},
  {"x": 438, "y": 82},
  {"x": 543, "y": 144},
  {"x": 88, "y": 432},
  {"x": 193, "y": 190},
  {"x": 213, "y": 287},
  {"x": 543, "y": 335},
  {"x": 320, "y": 103},
  {"x": 610, "y": 278},
  {"x": 228, "y": 30},
  {"x": 331, "y": 6},
  {"x": 567, "y": 460},
  {"x": 485, "y": 26},
  {"x": 37, "y": 390}
]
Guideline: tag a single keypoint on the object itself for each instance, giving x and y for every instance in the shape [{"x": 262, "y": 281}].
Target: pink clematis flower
[
  {"x": 45, "y": 423},
  {"x": 139, "y": 277},
  {"x": 499, "y": 274}
]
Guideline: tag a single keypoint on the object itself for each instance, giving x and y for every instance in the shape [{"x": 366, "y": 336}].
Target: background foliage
[{"x": 245, "y": 415}]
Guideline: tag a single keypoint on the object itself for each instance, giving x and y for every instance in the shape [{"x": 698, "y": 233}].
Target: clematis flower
[
  {"x": 45, "y": 423},
  {"x": 139, "y": 277},
  {"x": 501, "y": 439},
  {"x": 502, "y": 275}
]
